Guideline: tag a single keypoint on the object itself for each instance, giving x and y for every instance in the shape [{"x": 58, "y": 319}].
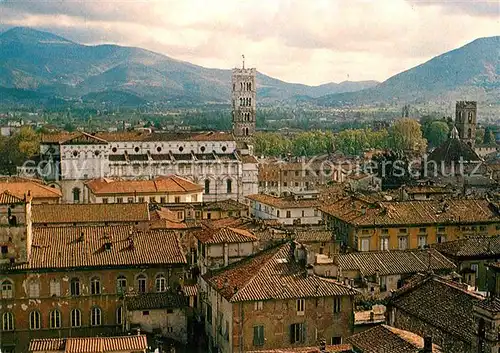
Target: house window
[
  {"x": 288, "y": 214},
  {"x": 141, "y": 199},
  {"x": 441, "y": 238},
  {"x": 35, "y": 320},
  {"x": 277, "y": 213},
  {"x": 384, "y": 244},
  {"x": 258, "y": 335},
  {"x": 229, "y": 186},
  {"x": 141, "y": 283},
  {"x": 163, "y": 199},
  {"x": 34, "y": 289},
  {"x": 130, "y": 200},
  {"x": 119, "y": 200},
  {"x": 385, "y": 231},
  {"x": 315, "y": 213},
  {"x": 209, "y": 314},
  {"x": 177, "y": 199},
  {"x": 161, "y": 283},
  {"x": 301, "y": 306},
  {"x": 422, "y": 241},
  {"x": 76, "y": 195},
  {"x": 7, "y": 289},
  {"x": 95, "y": 286},
  {"x": 336, "y": 340},
  {"x": 5, "y": 249},
  {"x": 474, "y": 267},
  {"x": 482, "y": 228},
  {"x": 55, "y": 319},
  {"x": 285, "y": 183},
  {"x": 365, "y": 244},
  {"x": 422, "y": 230},
  {"x": 105, "y": 200},
  {"x": 55, "y": 288},
  {"x": 207, "y": 186},
  {"x": 76, "y": 318},
  {"x": 121, "y": 284},
  {"x": 402, "y": 243},
  {"x": 403, "y": 230},
  {"x": 257, "y": 306},
  {"x": 119, "y": 315},
  {"x": 95, "y": 317},
  {"x": 152, "y": 199},
  {"x": 441, "y": 229},
  {"x": 180, "y": 215},
  {"x": 194, "y": 198},
  {"x": 303, "y": 213},
  {"x": 336, "y": 304},
  {"x": 75, "y": 286},
  {"x": 8, "y": 321},
  {"x": 297, "y": 333}
]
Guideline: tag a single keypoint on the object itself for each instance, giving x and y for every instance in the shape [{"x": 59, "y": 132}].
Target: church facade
[{"x": 222, "y": 162}]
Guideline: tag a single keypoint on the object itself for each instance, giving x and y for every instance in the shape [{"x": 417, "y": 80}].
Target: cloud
[
  {"x": 295, "y": 40},
  {"x": 482, "y": 8}
]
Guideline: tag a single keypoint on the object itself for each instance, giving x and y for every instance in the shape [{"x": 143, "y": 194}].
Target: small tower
[
  {"x": 465, "y": 121},
  {"x": 487, "y": 325},
  {"x": 244, "y": 102}
]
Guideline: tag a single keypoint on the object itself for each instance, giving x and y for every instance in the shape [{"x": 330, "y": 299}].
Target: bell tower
[
  {"x": 465, "y": 121},
  {"x": 244, "y": 102}
]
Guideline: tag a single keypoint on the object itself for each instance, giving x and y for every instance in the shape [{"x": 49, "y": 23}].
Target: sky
[{"x": 305, "y": 41}]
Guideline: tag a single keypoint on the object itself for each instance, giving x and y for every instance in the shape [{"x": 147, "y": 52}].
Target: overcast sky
[{"x": 307, "y": 41}]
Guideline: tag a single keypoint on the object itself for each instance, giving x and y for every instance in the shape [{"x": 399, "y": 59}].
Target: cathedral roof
[{"x": 452, "y": 150}]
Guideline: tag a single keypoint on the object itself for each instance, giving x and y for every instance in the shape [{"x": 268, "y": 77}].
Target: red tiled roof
[
  {"x": 155, "y": 300},
  {"x": 388, "y": 339},
  {"x": 90, "y": 344},
  {"x": 361, "y": 213},
  {"x": 64, "y": 247},
  {"x": 336, "y": 348},
  {"x": 470, "y": 247},
  {"x": 190, "y": 290},
  {"x": 90, "y": 213},
  {"x": 272, "y": 274},
  {"x": 170, "y": 184},
  {"x": 7, "y": 198},
  {"x": 394, "y": 262},
  {"x": 36, "y": 190},
  {"x": 224, "y": 235}
]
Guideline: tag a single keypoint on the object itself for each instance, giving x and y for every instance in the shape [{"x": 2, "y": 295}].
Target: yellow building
[
  {"x": 171, "y": 189},
  {"x": 363, "y": 225}
]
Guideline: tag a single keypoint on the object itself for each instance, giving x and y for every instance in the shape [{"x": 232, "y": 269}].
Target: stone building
[
  {"x": 244, "y": 94},
  {"x": 365, "y": 225},
  {"x": 466, "y": 120},
  {"x": 163, "y": 190},
  {"x": 271, "y": 301},
  {"x": 299, "y": 208},
  {"x": 487, "y": 326},
  {"x": 439, "y": 308},
  {"x": 74, "y": 280}
]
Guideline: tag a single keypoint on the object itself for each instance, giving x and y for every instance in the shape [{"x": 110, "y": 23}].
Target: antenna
[{"x": 243, "y": 57}]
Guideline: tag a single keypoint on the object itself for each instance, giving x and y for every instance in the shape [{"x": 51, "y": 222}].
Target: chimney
[
  {"x": 427, "y": 345},
  {"x": 372, "y": 316}
]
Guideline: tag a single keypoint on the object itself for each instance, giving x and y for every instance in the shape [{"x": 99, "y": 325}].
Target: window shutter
[
  {"x": 292, "y": 339},
  {"x": 255, "y": 335},
  {"x": 304, "y": 335}
]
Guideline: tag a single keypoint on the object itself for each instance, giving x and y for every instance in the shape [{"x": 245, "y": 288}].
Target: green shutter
[
  {"x": 255, "y": 335},
  {"x": 304, "y": 335}
]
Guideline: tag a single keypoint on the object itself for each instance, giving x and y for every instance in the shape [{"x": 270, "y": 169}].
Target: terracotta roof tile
[
  {"x": 272, "y": 274},
  {"x": 170, "y": 184},
  {"x": 7, "y": 198},
  {"x": 313, "y": 235},
  {"x": 441, "y": 303},
  {"x": 361, "y": 213},
  {"x": 64, "y": 247},
  {"x": 90, "y": 344},
  {"x": 224, "y": 235},
  {"x": 394, "y": 262},
  {"x": 163, "y": 300},
  {"x": 90, "y": 213},
  {"x": 190, "y": 290},
  {"x": 490, "y": 304},
  {"x": 226, "y": 205},
  {"x": 36, "y": 190},
  {"x": 337, "y": 348},
  {"x": 388, "y": 339},
  {"x": 470, "y": 247}
]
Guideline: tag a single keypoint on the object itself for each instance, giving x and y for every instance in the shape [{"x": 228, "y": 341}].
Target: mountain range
[
  {"x": 40, "y": 67},
  {"x": 50, "y": 65}
]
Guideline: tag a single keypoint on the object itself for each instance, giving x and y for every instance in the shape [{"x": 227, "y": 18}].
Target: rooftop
[
  {"x": 439, "y": 302},
  {"x": 224, "y": 235},
  {"x": 90, "y": 213},
  {"x": 226, "y": 205},
  {"x": 37, "y": 190},
  {"x": 337, "y": 348},
  {"x": 394, "y": 262},
  {"x": 6, "y": 198},
  {"x": 284, "y": 202},
  {"x": 169, "y": 184},
  {"x": 362, "y": 213},
  {"x": 92, "y": 246},
  {"x": 89, "y": 344},
  {"x": 272, "y": 274},
  {"x": 453, "y": 150},
  {"x": 163, "y": 300},
  {"x": 387, "y": 339},
  {"x": 470, "y": 247}
]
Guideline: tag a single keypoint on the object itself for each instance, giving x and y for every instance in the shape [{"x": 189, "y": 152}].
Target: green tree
[
  {"x": 437, "y": 132},
  {"x": 489, "y": 136},
  {"x": 406, "y": 136},
  {"x": 16, "y": 149}
]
